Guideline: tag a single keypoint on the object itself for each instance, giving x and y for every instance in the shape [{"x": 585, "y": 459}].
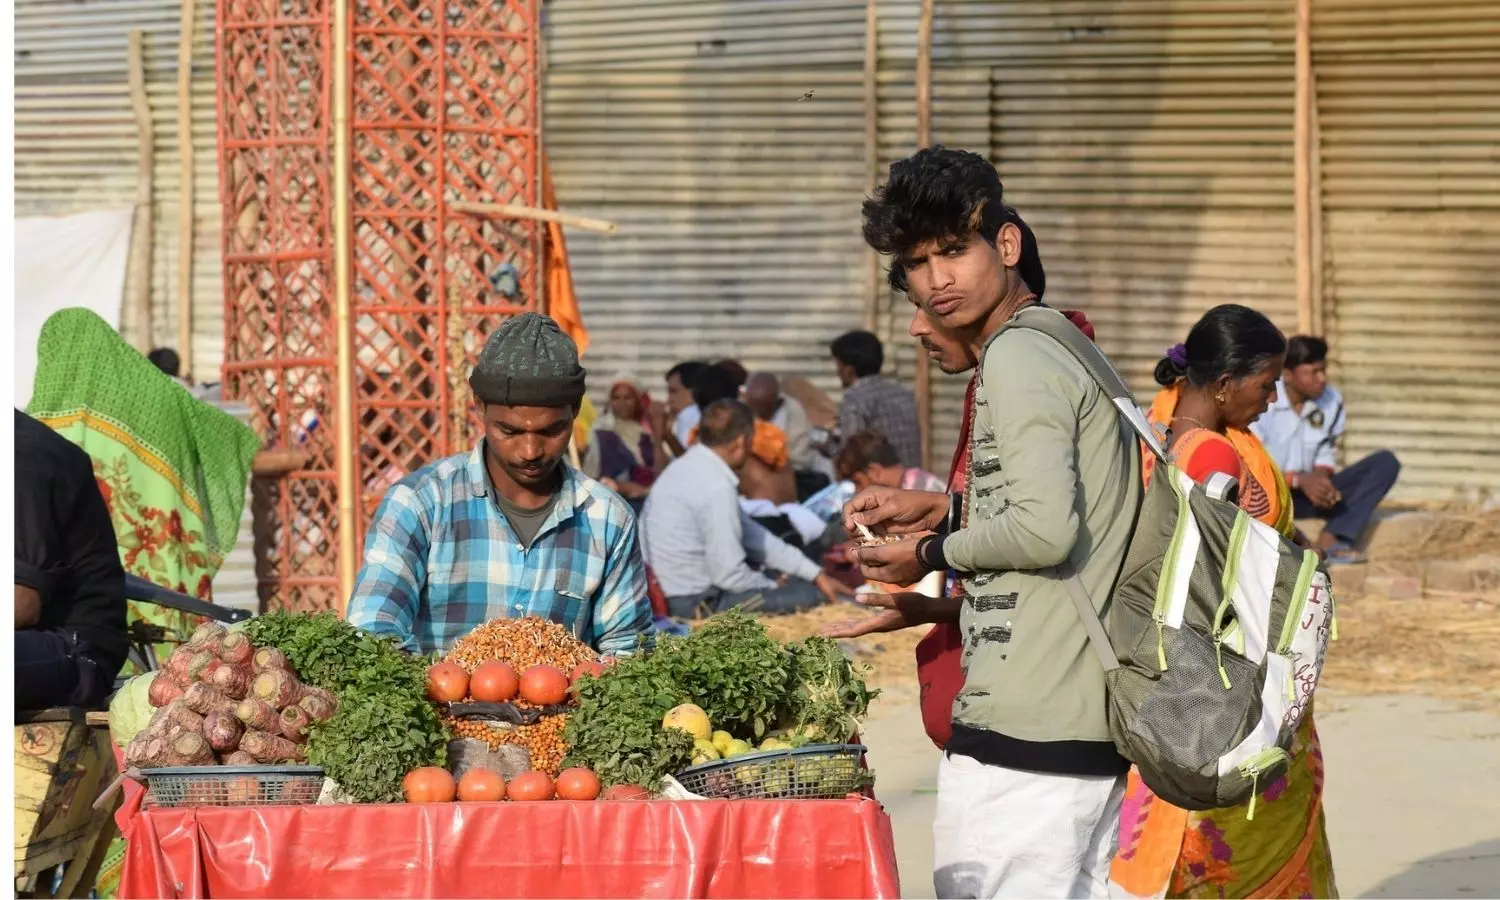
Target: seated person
[
  {"x": 699, "y": 542},
  {"x": 1301, "y": 430},
  {"x": 623, "y": 450},
  {"x": 680, "y": 415},
  {"x": 868, "y": 459},
  {"x": 509, "y": 529},
  {"x": 768, "y": 473},
  {"x": 873, "y": 402},
  {"x": 69, "y": 583},
  {"x": 763, "y": 395}
]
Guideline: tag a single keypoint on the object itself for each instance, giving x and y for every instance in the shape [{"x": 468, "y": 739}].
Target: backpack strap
[{"x": 1057, "y": 326}]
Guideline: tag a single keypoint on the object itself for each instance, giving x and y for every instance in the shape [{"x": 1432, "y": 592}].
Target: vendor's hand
[
  {"x": 831, "y": 588},
  {"x": 894, "y": 563},
  {"x": 886, "y": 510},
  {"x": 1319, "y": 488}
]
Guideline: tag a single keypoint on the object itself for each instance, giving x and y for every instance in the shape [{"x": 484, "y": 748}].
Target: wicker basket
[
  {"x": 233, "y": 785},
  {"x": 818, "y": 771}
]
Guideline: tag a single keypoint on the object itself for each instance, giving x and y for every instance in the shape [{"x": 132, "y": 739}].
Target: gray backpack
[{"x": 1214, "y": 635}]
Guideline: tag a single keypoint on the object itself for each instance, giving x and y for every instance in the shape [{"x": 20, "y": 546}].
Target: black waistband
[{"x": 1090, "y": 758}]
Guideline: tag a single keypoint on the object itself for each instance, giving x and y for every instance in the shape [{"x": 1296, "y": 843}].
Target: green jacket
[{"x": 1054, "y": 481}]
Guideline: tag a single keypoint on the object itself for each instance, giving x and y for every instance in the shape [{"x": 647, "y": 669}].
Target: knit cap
[{"x": 528, "y": 361}]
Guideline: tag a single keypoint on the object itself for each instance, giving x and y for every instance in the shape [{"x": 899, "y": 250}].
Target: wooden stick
[
  {"x": 347, "y": 447},
  {"x": 143, "y": 238},
  {"x": 872, "y": 152},
  {"x": 924, "y": 139},
  {"x": 517, "y": 211},
  {"x": 1302, "y": 182},
  {"x": 185, "y": 199}
]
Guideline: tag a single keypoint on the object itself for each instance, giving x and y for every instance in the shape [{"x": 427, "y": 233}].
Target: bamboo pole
[
  {"x": 872, "y": 153},
  {"x": 1320, "y": 312},
  {"x": 924, "y": 139},
  {"x": 518, "y": 211},
  {"x": 1302, "y": 182},
  {"x": 347, "y": 448},
  {"x": 185, "y": 198},
  {"x": 143, "y": 236}
]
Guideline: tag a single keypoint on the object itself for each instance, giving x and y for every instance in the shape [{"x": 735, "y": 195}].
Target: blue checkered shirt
[{"x": 441, "y": 559}]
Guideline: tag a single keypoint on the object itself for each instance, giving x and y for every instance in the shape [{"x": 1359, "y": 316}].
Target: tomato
[
  {"x": 529, "y": 786},
  {"x": 494, "y": 682},
  {"x": 577, "y": 784},
  {"x": 481, "y": 785},
  {"x": 447, "y": 683},
  {"x": 429, "y": 784},
  {"x": 592, "y": 669},
  {"x": 544, "y": 685},
  {"x": 626, "y": 792}
]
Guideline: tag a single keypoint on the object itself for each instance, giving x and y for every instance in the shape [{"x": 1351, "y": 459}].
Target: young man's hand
[
  {"x": 895, "y": 563},
  {"x": 1319, "y": 488},
  {"x": 886, "y": 510},
  {"x": 895, "y": 612}
]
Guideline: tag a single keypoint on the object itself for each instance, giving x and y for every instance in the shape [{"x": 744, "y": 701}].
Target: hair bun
[{"x": 1168, "y": 372}]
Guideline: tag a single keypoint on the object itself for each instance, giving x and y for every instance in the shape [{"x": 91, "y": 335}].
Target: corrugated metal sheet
[
  {"x": 1410, "y": 118},
  {"x": 737, "y": 199},
  {"x": 76, "y": 145}
]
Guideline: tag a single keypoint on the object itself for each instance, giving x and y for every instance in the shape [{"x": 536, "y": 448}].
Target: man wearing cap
[{"x": 509, "y": 529}]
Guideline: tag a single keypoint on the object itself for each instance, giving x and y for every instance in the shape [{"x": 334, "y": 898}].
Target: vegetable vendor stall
[{"x": 719, "y": 764}]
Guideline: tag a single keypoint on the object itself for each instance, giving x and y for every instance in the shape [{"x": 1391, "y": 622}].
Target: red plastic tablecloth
[{"x": 698, "y": 848}]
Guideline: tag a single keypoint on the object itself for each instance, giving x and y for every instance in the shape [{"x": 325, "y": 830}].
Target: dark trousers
[
  {"x": 51, "y": 671},
  {"x": 791, "y": 597},
  {"x": 1363, "y": 485}
]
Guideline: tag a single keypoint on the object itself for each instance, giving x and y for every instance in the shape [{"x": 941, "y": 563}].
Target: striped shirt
[{"x": 441, "y": 559}]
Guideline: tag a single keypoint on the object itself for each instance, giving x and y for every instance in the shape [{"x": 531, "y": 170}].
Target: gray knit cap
[{"x": 528, "y": 361}]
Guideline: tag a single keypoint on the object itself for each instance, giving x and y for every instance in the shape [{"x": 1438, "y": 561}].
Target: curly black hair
[{"x": 938, "y": 194}]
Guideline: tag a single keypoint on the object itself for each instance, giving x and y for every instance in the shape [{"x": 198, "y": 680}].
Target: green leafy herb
[
  {"x": 617, "y": 731},
  {"x": 733, "y": 669},
  {"x": 828, "y": 696},
  {"x": 385, "y": 726}
]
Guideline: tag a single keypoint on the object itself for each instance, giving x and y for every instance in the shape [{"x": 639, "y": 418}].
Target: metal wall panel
[
  {"x": 76, "y": 145},
  {"x": 1409, "y": 113}
]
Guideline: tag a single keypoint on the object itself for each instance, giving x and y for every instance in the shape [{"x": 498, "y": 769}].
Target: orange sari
[{"x": 1283, "y": 851}]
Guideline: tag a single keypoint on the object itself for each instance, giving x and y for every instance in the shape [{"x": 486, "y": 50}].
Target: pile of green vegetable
[
  {"x": 804, "y": 692},
  {"x": 385, "y": 726}
]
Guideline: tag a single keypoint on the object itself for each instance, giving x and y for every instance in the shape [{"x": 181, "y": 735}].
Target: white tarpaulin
[{"x": 61, "y": 262}]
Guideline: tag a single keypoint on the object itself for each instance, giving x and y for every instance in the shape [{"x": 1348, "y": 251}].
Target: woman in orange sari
[{"x": 1213, "y": 387}]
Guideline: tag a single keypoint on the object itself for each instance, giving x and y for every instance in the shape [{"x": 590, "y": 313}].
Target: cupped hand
[{"x": 886, "y": 510}]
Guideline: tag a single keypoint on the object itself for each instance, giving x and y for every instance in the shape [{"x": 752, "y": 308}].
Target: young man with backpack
[{"x": 1029, "y": 792}]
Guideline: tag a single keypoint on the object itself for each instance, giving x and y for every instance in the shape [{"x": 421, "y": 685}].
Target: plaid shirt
[
  {"x": 441, "y": 559},
  {"x": 878, "y": 404}
]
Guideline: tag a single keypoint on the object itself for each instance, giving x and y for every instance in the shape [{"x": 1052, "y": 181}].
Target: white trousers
[{"x": 1008, "y": 833}]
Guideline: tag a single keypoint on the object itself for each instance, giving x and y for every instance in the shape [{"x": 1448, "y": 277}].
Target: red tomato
[
  {"x": 530, "y": 786},
  {"x": 626, "y": 792},
  {"x": 544, "y": 685},
  {"x": 447, "y": 683},
  {"x": 577, "y": 784},
  {"x": 494, "y": 682},
  {"x": 429, "y": 784},
  {"x": 592, "y": 669},
  {"x": 481, "y": 785}
]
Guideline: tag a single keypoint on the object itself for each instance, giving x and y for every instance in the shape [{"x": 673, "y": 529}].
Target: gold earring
[{"x": 1220, "y": 398}]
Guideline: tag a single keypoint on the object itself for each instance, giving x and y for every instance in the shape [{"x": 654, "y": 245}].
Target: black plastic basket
[
  {"x": 814, "y": 772},
  {"x": 233, "y": 785}
]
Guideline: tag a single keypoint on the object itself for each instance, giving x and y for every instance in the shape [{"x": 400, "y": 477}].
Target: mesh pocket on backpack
[{"x": 1187, "y": 714}]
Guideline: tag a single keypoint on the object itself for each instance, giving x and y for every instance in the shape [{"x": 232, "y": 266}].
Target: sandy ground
[{"x": 1413, "y": 794}]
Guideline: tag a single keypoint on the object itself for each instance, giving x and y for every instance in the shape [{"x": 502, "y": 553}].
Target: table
[{"x": 693, "y": 848}]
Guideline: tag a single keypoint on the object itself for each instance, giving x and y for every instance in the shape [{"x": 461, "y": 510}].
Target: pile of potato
[{"x": 221, "y": 701}]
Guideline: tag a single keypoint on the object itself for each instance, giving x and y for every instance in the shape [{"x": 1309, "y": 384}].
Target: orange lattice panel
[{"x": 444, "y": 109}]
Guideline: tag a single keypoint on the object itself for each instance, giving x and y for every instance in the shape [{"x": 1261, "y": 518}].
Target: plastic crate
[
  {"x": 233, "y": 785},
  {"x": 818, "y": 771}
]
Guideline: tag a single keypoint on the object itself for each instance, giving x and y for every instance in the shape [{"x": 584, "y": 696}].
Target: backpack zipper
[
  {"x": 1294, "y": 616},
  {"x": 1237, "y": 536},
  {"x": 1252, "y": 769},
  {"x": 1165, "y": 584}
]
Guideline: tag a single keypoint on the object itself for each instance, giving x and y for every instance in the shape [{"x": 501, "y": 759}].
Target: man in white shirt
[
  {"x": 699, "y": 543},
  {"x": 1301, "y": 431},
  {"x": 677, "y": 419}
]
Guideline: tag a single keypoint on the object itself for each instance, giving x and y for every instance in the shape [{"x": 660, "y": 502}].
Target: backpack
[{"x": 1214, "y": 635}]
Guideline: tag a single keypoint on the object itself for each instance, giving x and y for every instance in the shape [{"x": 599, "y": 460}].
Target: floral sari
[{"x": 1283, "y": 851}]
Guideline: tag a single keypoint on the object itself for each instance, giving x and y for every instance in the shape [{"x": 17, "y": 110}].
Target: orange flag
[{"x": 562, "y": 299}]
